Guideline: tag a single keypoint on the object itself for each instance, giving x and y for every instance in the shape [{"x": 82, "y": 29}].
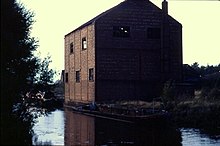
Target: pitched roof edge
[
  {"x": 169, "y": 16},
  {"x": 93, "y": 20}
]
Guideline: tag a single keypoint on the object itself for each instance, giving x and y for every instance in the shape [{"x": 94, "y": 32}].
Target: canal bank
[
  {"x": 183, "y": 112},
  {"x": 197, "y": 114}
]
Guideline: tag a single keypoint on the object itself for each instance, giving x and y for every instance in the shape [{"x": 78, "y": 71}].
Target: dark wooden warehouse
[{"x": 127, "y": 52}]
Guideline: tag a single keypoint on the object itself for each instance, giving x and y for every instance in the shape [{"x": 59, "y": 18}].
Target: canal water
[{"x": 64, "y": 127}]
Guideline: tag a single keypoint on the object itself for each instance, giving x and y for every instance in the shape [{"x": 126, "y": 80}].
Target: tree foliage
[
  {"x": 19, "y": 69},
  {"x": 17, "y": 60},
  {"x": 209, "y": 80},
  {"x": 206, "y": 70},
  {"x": 45, "y": 74}
]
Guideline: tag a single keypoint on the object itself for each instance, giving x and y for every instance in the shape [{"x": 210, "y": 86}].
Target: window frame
[
  {"x": 91, "y": 74},
  {"x": 71, "y": 48},
  {"x": 84, "y": 43},
  {"x": 121, "y": 31},
  {"x": 154, "y": 33},
  {"x": 77, "y": 76},
  {"x": 66, "y": 77}
]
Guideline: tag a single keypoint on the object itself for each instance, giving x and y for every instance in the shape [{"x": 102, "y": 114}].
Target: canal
[{"x": 64, "y": 127}]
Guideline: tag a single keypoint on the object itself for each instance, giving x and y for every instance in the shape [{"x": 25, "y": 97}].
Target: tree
[
  {"x": 17, "y": 61},
  {"x": 44, "y": 78},
  {"x": 210, "y": 80},
  {"x": 19, "y": 68},
  {"x": 45, "y": 74},
  {"x": 205, "y": 70},
  {"x": 195, "y": 65}
]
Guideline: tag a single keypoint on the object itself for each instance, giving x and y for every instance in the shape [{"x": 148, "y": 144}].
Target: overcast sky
[{"x": 55, "y": 18}]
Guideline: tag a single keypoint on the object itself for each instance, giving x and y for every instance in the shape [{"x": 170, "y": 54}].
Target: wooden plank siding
[{"x": 126, "y": 67}]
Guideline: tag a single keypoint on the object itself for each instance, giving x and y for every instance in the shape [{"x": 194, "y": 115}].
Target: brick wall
[{"x": 80, "y": 60}]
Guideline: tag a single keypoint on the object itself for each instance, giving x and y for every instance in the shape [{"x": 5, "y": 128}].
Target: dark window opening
[
  {"x": 71, "y": 47},
  {"x": 84, "y": 43},
  {"x": 153, "y": 33},
  {"x": 121, "y": 31},
  {"x": 91, "y": 74},
  {"x": 77, "y": 76},
  {"x": 66, "y": 77}
]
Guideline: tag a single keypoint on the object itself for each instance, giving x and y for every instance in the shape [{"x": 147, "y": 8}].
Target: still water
[{"x": 64, "y": 127}]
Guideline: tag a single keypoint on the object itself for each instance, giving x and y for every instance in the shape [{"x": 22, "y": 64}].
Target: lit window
[
  {"x": 84, "y": 43},
  {"x": 121, "y": 31},
  {"x": 77, "y": 76},
  {"x": 71, "y": 47},
  {"x": 153, "y": 33},
  {"x": 66, "y": 77},
  {"x": 91, "y": 74}
]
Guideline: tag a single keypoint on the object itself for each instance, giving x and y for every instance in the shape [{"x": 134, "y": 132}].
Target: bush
[
  {"x": 214, "y": 94},
  {"x": 168, "y": 94}
]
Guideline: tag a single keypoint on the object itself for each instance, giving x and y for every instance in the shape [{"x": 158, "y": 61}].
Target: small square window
[
  {"x": 153, "y": 33},
  {"x": 91, "y": 74},
  {"x": 121, "y": 31},
  {"x": 77, "y": 76},
  {"x": 84, "y": 43},
  {"x": 71, "y": 47},
  {"x": 66, "y": 76}
]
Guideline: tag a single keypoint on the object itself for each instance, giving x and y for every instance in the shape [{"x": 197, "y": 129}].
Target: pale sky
[{"x": 55, "y": 18}]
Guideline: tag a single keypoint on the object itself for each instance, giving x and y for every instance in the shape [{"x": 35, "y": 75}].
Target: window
[
  {"x": 153, "y": 33},
  {"x": 84, "y": 43},
  {"x": 77, "y": 76},
  {"x": 121, "y": 31},
  {"x": 66, "y": 77},
  {"x": 71, "y": 47},
  {"x": 91, "y": 74}
]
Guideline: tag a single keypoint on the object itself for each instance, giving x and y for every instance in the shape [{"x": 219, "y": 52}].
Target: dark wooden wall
[{"x": 136, "y": 66}]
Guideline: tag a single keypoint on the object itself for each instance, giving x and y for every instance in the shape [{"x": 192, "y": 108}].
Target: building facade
[{"x": 127, "y": 52}]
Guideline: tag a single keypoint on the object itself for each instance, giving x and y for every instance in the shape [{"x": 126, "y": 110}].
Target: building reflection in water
[
  {"x": 79, "y": 129},
  {"x": 86, "y": 130}
]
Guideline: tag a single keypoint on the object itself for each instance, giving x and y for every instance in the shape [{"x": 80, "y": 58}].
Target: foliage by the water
[
  {"x": 20, "y": 70},
  {"x": 200, "y": 108}
]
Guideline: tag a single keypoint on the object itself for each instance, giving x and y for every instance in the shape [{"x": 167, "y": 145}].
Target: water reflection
[
  {"x": 79, "y": 129},
  {"x": 196, "y": 138},
  {"x": 49, "y": 130},
  {"x": 86, "y": 130},
  {"x": 65, "y": 127}
]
